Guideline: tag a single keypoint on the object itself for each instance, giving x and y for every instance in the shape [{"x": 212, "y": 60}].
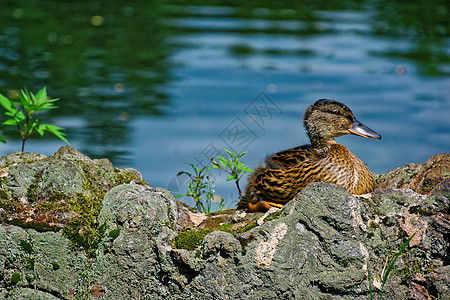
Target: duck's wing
[
  {"x": 291, "y": 157},
  {"x": 279, "y": 178},
  {"x": 278, "y": 185}
]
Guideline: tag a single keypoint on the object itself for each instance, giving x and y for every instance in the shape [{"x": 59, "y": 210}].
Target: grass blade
[{"x": 391, "y": 265}]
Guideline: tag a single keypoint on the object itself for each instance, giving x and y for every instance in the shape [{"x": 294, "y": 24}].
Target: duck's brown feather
[{"x": 285, "y": 173}]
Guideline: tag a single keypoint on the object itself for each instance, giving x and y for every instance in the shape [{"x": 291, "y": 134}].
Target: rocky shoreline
[{"x": 76, "y": 228}]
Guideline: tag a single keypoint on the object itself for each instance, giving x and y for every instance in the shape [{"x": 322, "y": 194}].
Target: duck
[{"x": 282, "y": 175}]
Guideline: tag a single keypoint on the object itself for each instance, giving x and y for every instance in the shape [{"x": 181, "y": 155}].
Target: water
[{"x": 155, "y": 85}]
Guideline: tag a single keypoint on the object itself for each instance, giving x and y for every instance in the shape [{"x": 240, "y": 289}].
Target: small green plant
[
  {"x": 389, "y": 269},
  {"x": 200, "y": 185},
  {"x": 21, "y": 112},
  {"x": 233, "y": 167}
]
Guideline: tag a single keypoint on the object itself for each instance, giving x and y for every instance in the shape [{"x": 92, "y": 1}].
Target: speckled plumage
[{"x": 284, "y": 174}]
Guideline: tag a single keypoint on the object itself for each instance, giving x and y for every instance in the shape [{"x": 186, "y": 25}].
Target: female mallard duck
[{"x": 284, "y": 174}]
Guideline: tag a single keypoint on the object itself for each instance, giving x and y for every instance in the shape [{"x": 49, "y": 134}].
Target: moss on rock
[{"x": 191, "y": 239}]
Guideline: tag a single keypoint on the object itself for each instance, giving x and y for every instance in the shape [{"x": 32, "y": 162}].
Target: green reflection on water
[
  {"x": 110, "y": 61},
  {"x": 425, "y": 24},
  {"x": 107, "y": 60}
]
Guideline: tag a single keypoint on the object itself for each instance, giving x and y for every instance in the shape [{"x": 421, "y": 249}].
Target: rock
[
  {"x": 47, "y": 192},
  {"x": 38, "y": 265},
  {"x": 421, "y": 178},
  {"x": 324, "y": 244},
  {"x": 435, "y": 170},
  {"x": 135, "y": 262},
  {"x": 220, "y": 243},
  {"x": 137, "y": 207}
]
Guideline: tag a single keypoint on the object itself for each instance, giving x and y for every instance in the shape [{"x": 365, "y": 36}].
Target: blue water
[{"x": 224, "y": 69}]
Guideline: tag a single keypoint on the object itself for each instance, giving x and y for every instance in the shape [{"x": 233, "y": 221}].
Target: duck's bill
[{"x": 360, "y": 129}]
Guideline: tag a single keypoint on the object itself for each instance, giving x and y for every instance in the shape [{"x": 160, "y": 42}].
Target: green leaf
[
  {"x": 46, "y": 105},
  {"x": 2, "y": 139},
  {"x": 224, "y": 163},
  {"x": 10, "y": 122},
  {"x": 18, "y": 117},
  {"x": 25, "y": 98},
  {"x": 11, "y": 114},
  {"x": 221, "y": 158},
  {"x": 242, "y": 154},
  {"x": 229, "y": 152},
  {"x": 41, "y": 96},
  {"x": 40, "y": 130},
  {"x": 56, "y": 130},
  {"x": 5, "y": 102},
  {"x": 183, "y": 172},
  {"x": 32, "y": 98},
  {"x": 33, "y": 126},
  {"x": 40, "y": 101},
  {"x": 231, "y": 177}
]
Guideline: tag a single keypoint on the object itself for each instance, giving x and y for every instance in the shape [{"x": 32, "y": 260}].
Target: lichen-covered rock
[
  {"x": 220, "y": 242},
  {"x": 38, "y": 265},
  {"x": 48, "y": 192},
  {"x": 324, "y": 244},
  {"x": 421, "y": 178},
  {"x": 134, "y": 262}
]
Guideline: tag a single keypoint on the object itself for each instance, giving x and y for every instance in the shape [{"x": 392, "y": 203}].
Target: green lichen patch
[
  {"x": 273, "y": 216},
  {"x": 190, "y": 239},
  {"x": 126, "y": 176},
  {"x": 8, "y": 204},
  {"x": 26, "y": 246},
  {"x": 15, "y": 278},
  {"x": 55, "y": 266},
  {"x": 114, "y": 233},
  {"x": 85, "y": 233},
  {"x": 29, "y": 263},
  {"x": 247, "y": 227}
]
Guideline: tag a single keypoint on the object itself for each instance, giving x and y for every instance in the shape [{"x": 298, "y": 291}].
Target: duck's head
[{"x": 327, "y": 119}]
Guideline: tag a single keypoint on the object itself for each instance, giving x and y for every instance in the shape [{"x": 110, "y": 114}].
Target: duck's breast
[{"x": 342, "y": 167}]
